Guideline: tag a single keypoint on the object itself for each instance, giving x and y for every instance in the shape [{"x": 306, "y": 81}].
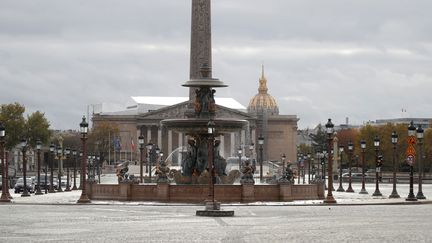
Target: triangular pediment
[{"x": 178, "y": 111}]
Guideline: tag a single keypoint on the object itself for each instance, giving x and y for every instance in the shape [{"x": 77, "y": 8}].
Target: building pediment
[{"x": 178, "y": 111}]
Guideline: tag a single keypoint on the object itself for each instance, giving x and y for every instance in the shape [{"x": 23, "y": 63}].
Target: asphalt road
[{"x": 120, "y": 223}]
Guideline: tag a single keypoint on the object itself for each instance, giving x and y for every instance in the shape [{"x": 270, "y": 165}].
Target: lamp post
[
  {"x": 24, "y": 151},
  {"x": 211, "y": 204},
  {"x": 141, "y": 148},
  {"x": 4, "y": 195},
  {"x": 84, "y": 130},
  {"x": 420, "y": 136},
  {"x": 81, "y": 173},
  {"x": 51, "y": 157},
  {"x": 378, "y": 168},
  {"x": 239, "y": 152},
  {"x": 67, "y": 152},
  {"x": 350, "y": 154},
  {"x": 149, "y": 147},
  {"x": 38, "y": 148},
  {"x": 74, "y": 154},
  {"x": 341, "y": 150},
  {"x": 363, "y": 151},
  {"x": 261, "y": 143},
  {"x": 410, "y": 159},
  {"x": 309, "y": 167},
  {"x": 330, "y": 130},
  {"x": 59, "y": 173},
  {"x": 283, "y": 157},
  {"x": 299, "y": 168},
  {"x": 394, "y": 140}
]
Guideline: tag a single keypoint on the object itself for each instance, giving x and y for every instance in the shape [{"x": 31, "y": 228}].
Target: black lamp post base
[
  {"x": 349, "y": 189},
  {"x": 420, "y": 195},
  {"x": 25, "y": 194},
  {"x": 52, "y": 191},
  {"x": 394, "y": 194},
  {"x": 363, "y": 191},
  {"x": 67, "y": 189},
  {"x": 340, "y": 189},
  {"x": 411, "y": 197},
  {"x": 74, "y": 188},
  {"x": 38, "y": 192},
  {"x": 59, "y": 189},
  {"x": 377, "y": 193}
]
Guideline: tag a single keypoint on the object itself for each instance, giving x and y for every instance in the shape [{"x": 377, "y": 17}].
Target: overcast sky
[{"x": 362, "y": 59}]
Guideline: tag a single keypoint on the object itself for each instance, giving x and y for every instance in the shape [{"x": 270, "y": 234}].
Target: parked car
[
  {"x": 354, "y": 176},
  {"x": 42, "y": 182},
  {"x": 19, "y": 185}
]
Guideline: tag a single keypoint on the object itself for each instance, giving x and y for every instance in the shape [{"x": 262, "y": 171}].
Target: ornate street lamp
[
  {"x": 38, "y": 148},
  {"x": 59, "y": 173},
  {"x": 211, "y": 204},
  {"x": 378, "y": 166},
  {"x": 84, "y": 130},
  {"x": 394, "y": 141},
  {"x": 251, "y": 155},
  {"x": 4, "y": 195},
  {"x": 341, "y": 150},
  {"x": 363, "y": 151},
  {"x": 141, "y": 148},
  {"x": 24, "y": 150},
  {"x": 350, "y": 154},
  {"x": 330, "y": 130},
  {"x": 74, "y": 154},
  {"x": 51, "y": 156},
  {"x": 309, "y": 167},
  {"x": 149, "y": 147},
  {"x": 410, "y": 159},
  {"x": 239, "y": 152},
  {"x": 300, "y": 157},
  {"x": 67, "y": 153},
  {"x": 283, "y": 178},
  {"x": 261, "y": 143},
  {"x": 420, "y": 136}
]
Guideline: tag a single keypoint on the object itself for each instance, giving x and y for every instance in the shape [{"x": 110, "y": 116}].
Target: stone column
[
  {"x": 233, "y": 148},
  {"x": 169, "y": 142},
  {"x": 159, "y": 138},
  {"x": 149, "y": 136},
  {"x": 180, "y": 144},
  {"x": 222, "y": 146},
  {"x": 200, "y": 40}
]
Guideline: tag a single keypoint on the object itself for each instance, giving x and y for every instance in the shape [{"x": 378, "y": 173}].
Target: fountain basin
[{"x": 199, "y": 125}]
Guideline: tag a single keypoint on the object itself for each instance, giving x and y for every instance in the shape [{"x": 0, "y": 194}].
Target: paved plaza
[{"x": 356, "y": 218}]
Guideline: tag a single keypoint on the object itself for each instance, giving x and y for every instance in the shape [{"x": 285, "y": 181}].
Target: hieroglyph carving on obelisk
[{"x": 200, "y": 40}]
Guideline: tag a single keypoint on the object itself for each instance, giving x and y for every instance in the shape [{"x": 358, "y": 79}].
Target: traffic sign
[{"x": 410, "y": 160}]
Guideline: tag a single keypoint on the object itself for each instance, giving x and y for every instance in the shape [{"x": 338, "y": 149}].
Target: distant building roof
[{"x": 143, "y": 104}]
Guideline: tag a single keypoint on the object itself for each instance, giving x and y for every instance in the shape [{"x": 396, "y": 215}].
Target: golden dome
[{"x": 263, "y": 102}]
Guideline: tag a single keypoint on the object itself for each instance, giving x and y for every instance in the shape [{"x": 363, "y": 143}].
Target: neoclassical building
[{"x": 279, "y": 131}]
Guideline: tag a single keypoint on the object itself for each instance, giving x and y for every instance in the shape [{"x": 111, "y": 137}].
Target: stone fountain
[{"x": 203, "y": 109}]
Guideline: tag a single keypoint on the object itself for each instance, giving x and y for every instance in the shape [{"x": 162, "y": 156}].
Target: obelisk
[{"x": 200, "y": 52}]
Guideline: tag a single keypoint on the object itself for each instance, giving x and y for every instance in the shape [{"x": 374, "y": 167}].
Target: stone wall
[{"x": 198, "y": 193}]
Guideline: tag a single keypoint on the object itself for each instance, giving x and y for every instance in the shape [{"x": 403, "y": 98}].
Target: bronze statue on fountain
[{"x": 195, "y": 164}]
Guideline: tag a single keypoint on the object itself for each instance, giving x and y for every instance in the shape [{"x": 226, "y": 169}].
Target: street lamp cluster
[
  {"x": 154, "y": 154},
  {"x": 415, "y": 136}
]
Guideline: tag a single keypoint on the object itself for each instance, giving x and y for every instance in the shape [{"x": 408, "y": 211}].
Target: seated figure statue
[
  {"x": 162, "y": 172},
  {"x": 121, "y": 172},
  {"x": 247, "y": 173}
]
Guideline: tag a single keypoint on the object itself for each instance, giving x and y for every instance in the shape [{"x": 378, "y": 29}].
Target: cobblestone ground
[
  {"x": 121, "y": 223},
  {"x": 57, "y": 218}
]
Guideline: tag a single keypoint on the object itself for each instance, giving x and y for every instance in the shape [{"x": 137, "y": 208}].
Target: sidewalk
[{"x": 342, "y": 198}]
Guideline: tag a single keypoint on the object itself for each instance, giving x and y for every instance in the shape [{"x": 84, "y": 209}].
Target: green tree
[
  {"x": 37, "y": 127},
  {"x": 319, "y": 140},
  {"x": 12, "y": 116},
  {"x": 101, "y": 137}
]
